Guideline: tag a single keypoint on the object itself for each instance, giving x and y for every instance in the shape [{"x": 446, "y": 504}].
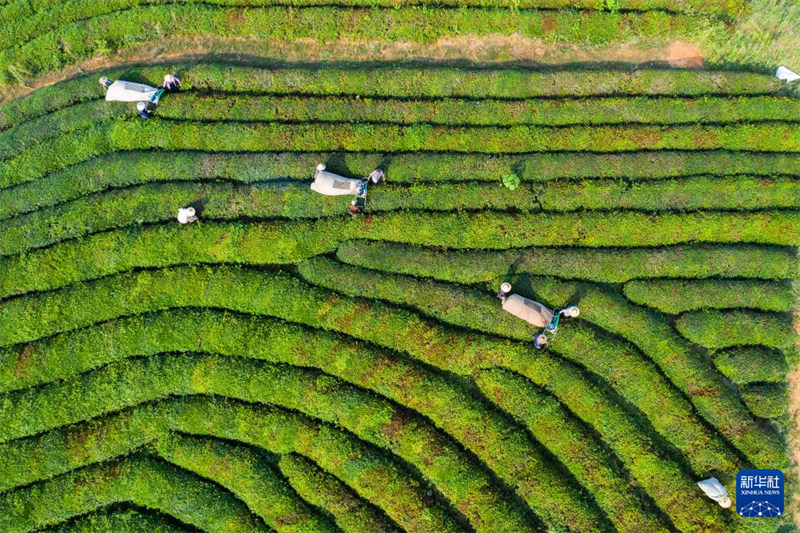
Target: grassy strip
[
  {"x": 352, "y": 514},
  {"x": 633, "y": 377},
  {"x": 394, "y": 328},
  {"x": 129, "y": 520},
  {"x": 767, "y": 400},
  {"x": 249, "y": 476},
  {"x": 63, "y": 151},
  {"x": 447, "y": 111},
  {"x": 722, "y": 329},
  {"x": 399, "y": 81},
  {"x": 131, "y": 168},
  {"x": 158, "y": 202},
  {"x": 453, "y": 409},
  {"x": 22, "y": 20},
  {"x": 689, "y": 369},
  {"x": 612, "y": 265},
  {"x": 750, "y": 364},
  {"x": 450, "y": 407},
  {"x": 146, "y": 482},
  {"x": 468, "y": 486},
  {"x": 389, "y": 485},
  {"x": 53, "y": 50},
  {"x": 678, "y": 295}
]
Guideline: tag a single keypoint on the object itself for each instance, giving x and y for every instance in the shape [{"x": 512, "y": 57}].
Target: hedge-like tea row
[
  {"x": 722, "y": 329},
  {"x": 121, "y": 250},
  {"x": 634, "y": 378},
  {"x": 767, "y": 400},
  {"x": 408, "y": 82},
  {"x": 389, "y": 485},
  {"x": 131, "y": 168},
  {"x": 751, "y": 364},
  {"x": 394, "y": 328},
  {"x": 352, "y": 514},
  {"x": 158, "y": 202},
  {"x": 678, "y": 295},
  {"x": 127, "y": 520},
  {"x": 690, "y": 370},
  {"x": 455, "y": 410},
  {"x": 611, "y": 265},
  {"x": 143, "y": 481},
  {"x": 63, "y": 151},
  {"x": 466, "y": 485},
  {"x": 599, "y": 111},
  {"x": 249, "y": 476},
  {"x": 52, "y": 50}
]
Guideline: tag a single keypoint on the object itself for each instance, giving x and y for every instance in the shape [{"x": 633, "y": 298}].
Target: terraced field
[{"x": 281, "y": 366}]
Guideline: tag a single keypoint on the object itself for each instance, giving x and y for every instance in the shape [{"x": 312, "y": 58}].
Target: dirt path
[{"x": 492, "y": 49}]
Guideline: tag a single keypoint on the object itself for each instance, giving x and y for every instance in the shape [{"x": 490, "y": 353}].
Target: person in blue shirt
[{"x": 144, "y": 110}]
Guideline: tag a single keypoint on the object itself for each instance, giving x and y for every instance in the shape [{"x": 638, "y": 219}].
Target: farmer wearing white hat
[
  {"x": 186, "y": 215},
  {"x": 714, "y": 490}
]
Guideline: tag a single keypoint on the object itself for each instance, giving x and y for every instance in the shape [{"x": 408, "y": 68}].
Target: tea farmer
[
  {"x": 186, "y": 215},
  {"x": 714, "y": 490},
  {"x": 144, "y": 110},
  {"x": 171, "y": 82}
]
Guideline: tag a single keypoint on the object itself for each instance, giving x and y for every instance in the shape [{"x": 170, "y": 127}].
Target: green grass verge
[{"x": 678, "y": 295}]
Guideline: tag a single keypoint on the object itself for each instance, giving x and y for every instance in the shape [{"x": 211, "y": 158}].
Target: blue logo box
[{"x": 759, "y": 493}]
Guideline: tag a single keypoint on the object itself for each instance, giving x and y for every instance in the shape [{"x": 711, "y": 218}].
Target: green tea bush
[
  {"x": 601, "y": 264},
  {"x": 159, "y": 202},
  {"x": 397, "y": 329},
  {"x": 722, "y": 329},
  {"x": 249, "y": 476},
  {"x": 398, "y": 81},
  {"x": 689, "y": 369},
  {"x": 448, "y": 111},
  {"x": 389, "y": 485},
  {"x": 63, "y": 151},
  {"x": 462, "y": 482},
  {"x": 129, "y": 520},
  {"x": 750, "y": 364},
  {"x": 676, "y": 296},
  {"x": 631, "y": 376},
  {"x": 123, "y": 169},
  {"x": 767, "y": 400},
  {"x": 144, "y": 481},
  {"x": 352, "y": 514}
]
